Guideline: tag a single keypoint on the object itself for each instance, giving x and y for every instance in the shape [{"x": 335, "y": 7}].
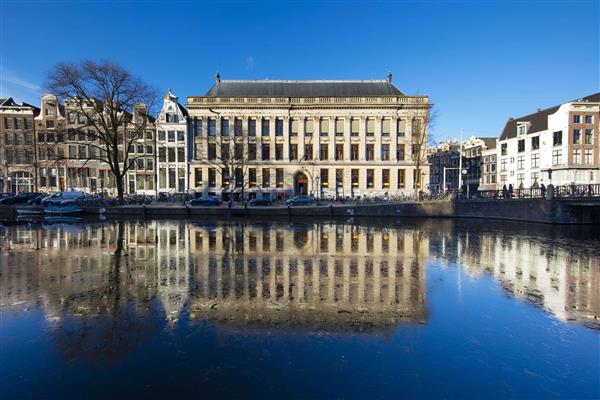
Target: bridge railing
[{"x": 562, "y": 191}]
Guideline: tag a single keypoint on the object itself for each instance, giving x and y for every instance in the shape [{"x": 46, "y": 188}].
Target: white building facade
[
  {"x": 558, "y": 145},
  {"x": 172, "y": 147}
]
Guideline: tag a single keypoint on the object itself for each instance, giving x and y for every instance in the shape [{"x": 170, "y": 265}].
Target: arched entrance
[{"x": 300, "y": 183}]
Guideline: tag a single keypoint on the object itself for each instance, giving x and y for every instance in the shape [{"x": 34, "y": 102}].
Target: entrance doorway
[{"x": 300, "y": 184}]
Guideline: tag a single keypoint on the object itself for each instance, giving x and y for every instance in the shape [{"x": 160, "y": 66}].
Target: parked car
[
  {"x": 300, "y": 201},
  {"x": 63, "y": 198},
  {"x": 205, "y": 201},
  {"x": 4, "y": 195},
  {"x": 36, "y": 201},
  {"x": 21, "y": 198},
  {"x": 261, "y": 201}
]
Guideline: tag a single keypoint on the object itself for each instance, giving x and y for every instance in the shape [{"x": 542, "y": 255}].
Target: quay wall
[{"x": 527, "y": 210}]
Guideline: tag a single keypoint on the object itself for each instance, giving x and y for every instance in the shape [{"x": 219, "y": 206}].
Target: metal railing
[{"x": 561, "y": 192}]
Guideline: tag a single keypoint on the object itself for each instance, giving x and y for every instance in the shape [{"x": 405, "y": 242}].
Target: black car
[
  {"x": 205, "y": 201},
  {"x": 36, "y": 201},
  {"x": 21, "y": 198},
  {"x": 261, "y": 201}
]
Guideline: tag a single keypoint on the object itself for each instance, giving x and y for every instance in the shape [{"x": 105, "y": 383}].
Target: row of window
[
  {"x": 240, "y": 153},
  {"x": 325, "y": 180},
  {"x": 19, "y": 156},
  {"x": 171, "y": 136},
  {"x": 589, "y": 119},
  {"x": 309, "y": 126},
  {"x": 578, "y": 138},
  {"x": 588, "y": 158},
  {"x": 17, "y": 123}
]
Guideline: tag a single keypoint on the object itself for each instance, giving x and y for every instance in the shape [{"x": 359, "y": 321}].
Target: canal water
[{"x": 348, "y": 309}]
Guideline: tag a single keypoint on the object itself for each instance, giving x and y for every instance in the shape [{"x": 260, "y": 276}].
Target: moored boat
[
  {"x": 63, "y": 209},
  {"x": 30, "y": 210}
]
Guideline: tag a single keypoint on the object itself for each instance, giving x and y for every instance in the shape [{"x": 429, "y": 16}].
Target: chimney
[
  {"x": 389, "y": 77},
  {"x": 539, "y": 109},
  {"x": 218, "y": 77}
]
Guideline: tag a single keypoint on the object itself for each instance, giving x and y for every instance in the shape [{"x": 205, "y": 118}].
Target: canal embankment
[{"x": 555, "y": 211}]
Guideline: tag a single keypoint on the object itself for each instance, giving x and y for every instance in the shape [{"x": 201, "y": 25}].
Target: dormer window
[
  {"x": 172, "y": 118},
  {"x": 521, "y": 129}
]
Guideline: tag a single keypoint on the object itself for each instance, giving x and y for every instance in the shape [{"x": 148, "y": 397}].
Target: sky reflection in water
[{"x": 421, "y": 309}]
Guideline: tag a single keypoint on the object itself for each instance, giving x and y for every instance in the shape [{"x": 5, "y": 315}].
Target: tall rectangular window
[
  {"x": 520, "y": 162},
  {"x": 385, "y": 151},
  {"x": 535, "y": 160},
  {"x": 279, "y": 177},
  {"x": 576, "y": 136},
  {"x": 369, "y": 152},
  {"x": 589, "y": 136},
  {"x": 400, "y": 152},
  {"x": 354, "y": 126},
  {"x": 401, "y": 127},
  {"x": 224, "y": 127},
  {"x": 324, "y": 126},
  {"x": 588, "y": 156},
  {"x": 212, "y": 151},
  {"x": 385, "y": 127},
  {"x": 503, "y": 149},
  {"x": 294, "y": 127},
  {"x": 323, "y": 151},
  {"x": 589, "y": 119},
  {"x": 339, "y": 152},
  {"x": 266, "y": 151},
  {"x": 370, "y": 178},
  {"x": 339, "y": 178},
  {"x": 556, "y": 157},
  {"x": 401, "y": 178},
  {"x": 354, "y": 177},
  {"x": 212, "y": 177},
  {"x": 279, "y": 151},
  {"x": 308, "y": 151},
  {"x": 252, "y": 177},
  {"x": 324, "y": 177},
  {"x": 278, "y": 127},
  {"x": 266, "y": 177},
  {"x": 557, "y": 138},
  {"x": 237, "y": 127},
  {"x": 535, "y": 143},
  {"x": 339, "y": 127},
  {"x": 197, "y": 128},
  {"x": 293, "y": 151},
  {"x": 212, "y": 127},
  {"x": 309, "y": 127},
  {"x": 385, "y": 178},
  {"x": 265, "y": 128},
  {"x": 371, "y": 127},
  {"x": 576, "y": 119},
  {"x": 521, "y": 145},
  {"x": 576, "y": 156},
  {"x": 354, "y": 152},
  {"x": 252, "y": 127},
  {"x": 251, "y": 151}
]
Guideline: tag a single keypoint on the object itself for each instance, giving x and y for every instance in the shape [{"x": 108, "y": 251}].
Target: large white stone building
[
  {"x": 326, "y": 138},
  {"x": 562, "y": 141},
  {"x": 172, "y": 141}
]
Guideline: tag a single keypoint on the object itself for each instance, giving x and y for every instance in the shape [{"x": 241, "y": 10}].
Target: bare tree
[
  {"x": 421, "y": 138},
  {"x": 230, "y": 156},
  {"x": 110, "y": 110}
]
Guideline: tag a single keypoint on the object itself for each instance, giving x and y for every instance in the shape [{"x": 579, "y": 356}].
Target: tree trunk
[{"x": 120, "y": 190}]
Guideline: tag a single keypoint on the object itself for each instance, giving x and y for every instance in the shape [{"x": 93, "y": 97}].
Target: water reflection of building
[
  {"x": 315, "y": 275},
  {"x": 563, "y": 278}
]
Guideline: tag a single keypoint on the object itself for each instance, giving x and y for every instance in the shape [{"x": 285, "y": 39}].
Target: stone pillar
[
  {"x": 362, "y": 135},
  {"x": 286, "y": 138},
  {"x": 393, "y": 139},
  {"x": 301, "y": 130},
  {"x": 331, "y": 145},
  {"x": 317, "y": 139},
  {"x": 347, "y": 134},
  {"x": 272, "y": 138},
  {"x": 378, "y": 133}
]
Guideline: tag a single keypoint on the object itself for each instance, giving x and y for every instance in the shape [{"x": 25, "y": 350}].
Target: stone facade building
[
  {"x": 472, "y": 161},
  {"x": 50, "y": 136},
  {"x": 443, "y": 166},
  {"x": 17, "y": 147},
  {"x": 326, "y": 138}
]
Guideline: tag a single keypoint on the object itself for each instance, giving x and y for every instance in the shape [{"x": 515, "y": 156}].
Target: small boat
[
  {"x": 63, "y": 220},
  {"x": 63, "y": 209},
  {"x": 30, "y": 210}
]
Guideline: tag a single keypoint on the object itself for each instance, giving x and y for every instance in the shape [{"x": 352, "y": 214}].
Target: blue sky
[{"x": 479, "y": 61}]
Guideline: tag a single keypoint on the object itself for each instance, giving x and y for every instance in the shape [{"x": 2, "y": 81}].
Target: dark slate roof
[
  {"x": 268, "y": 88},
  {"x": 2, "y": 101},
  {"x": 183, "y": 110},
  {"x": 490, "y": 142},
  {"x": 538, "y": 120}
]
